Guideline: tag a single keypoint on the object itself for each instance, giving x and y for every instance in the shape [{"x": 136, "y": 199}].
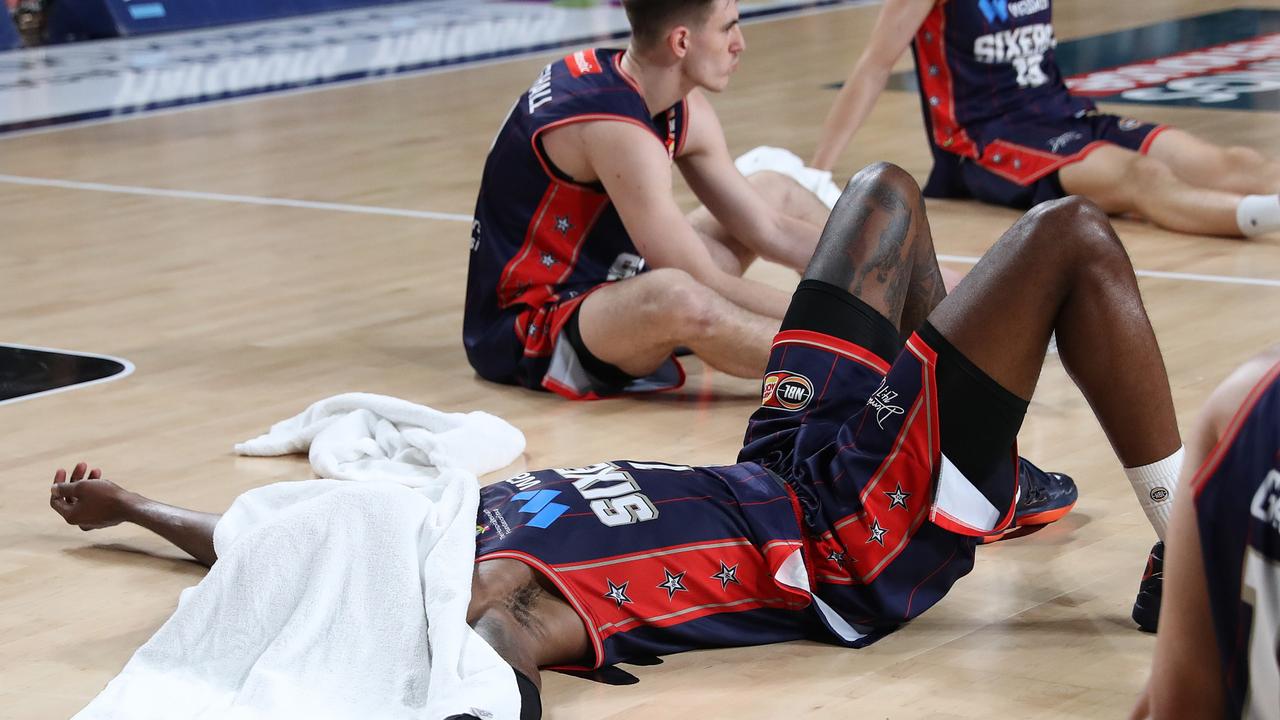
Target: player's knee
[
  {"x": 1145, "y": 174},
  {"x": 674, "y": 300},
  {"x": 1242, "y": 157},
  {"x": 1090, "y": 238},
  {"x": 1071, "y": 231},
  {"x": 884, "y": 173}
]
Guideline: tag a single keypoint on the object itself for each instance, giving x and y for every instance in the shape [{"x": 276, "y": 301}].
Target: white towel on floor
[
  {"x": 788, "y": 163},
  {"x": 337, "y": 599}
]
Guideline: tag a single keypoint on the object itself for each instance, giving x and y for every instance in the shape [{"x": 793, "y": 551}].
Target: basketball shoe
[
  {"x": 1043, "y": 498},
  {"x": 1146, "y": 609}
]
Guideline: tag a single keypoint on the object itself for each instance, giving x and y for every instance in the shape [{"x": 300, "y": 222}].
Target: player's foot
[
  {"x": 1043, "y": 498},
  {"x": 86, "y": 500},
  {"x": 1146, "y": 609}
]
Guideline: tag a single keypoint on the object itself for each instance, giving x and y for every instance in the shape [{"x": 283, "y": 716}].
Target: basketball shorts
[
  {"x": 900, "y": 457},
  {"x": 1019, "y": 162},
  {"x": 541, "y": 348},
  {"x": 655, "y": 558}
]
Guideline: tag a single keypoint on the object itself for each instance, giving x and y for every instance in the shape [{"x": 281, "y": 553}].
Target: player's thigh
[
  {"x": 1105, "y": 176},
  {"x": 1002, "y": 315}
]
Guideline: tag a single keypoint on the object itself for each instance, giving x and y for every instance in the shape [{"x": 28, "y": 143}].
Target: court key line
[{"x": 456, "y": 217}]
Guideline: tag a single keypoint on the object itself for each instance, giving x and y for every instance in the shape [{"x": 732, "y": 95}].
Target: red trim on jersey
[
  {"x": 586, "y": 117},
  {"x": 583, "y": 62},
  {"x": 684, "y": 110},
  {"x": 584, "y": 613},
  {"x": 910, "y": 467},
  {"x": 947, "y": 132},
  {"x": 1211, "y": 463},
  {"x": 1032, "y": 163},
  {"x": 653, "y": 598},
  {"x": 831, "y": 344},
  {"x": 626, "y": 76},
  {"x": 1146, "y": 142}
]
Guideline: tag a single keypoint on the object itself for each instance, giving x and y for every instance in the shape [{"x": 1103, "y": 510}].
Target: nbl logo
[{"x": 786, "y": 391}]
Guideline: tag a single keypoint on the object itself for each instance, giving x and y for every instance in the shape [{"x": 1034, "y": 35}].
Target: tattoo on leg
[{"x": 886, "y": 260}]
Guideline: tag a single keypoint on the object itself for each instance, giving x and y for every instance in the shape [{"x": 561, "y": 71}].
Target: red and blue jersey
[
  {"x": 989, "y": 61},
  {"x": 657, "y": 558},
  {"x": 540, "y": 240},
  {"x": 1237, "y": 495}
]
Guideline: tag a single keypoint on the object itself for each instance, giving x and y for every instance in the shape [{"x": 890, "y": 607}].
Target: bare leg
[
  {"x": 877, "y": 245},
  {"x": 92, "y": 503},
  {"x": 1240, "y": 170},
  {"x": 1122, "y": 181},
  {"x": 789, "y": 198},
  {"x": 1062, "y": 269},
  {"x": 635, "y": 324}
]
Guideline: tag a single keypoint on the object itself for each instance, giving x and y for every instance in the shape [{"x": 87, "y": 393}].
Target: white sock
[
  {"x": 1155, "y": 485},
  {"x": 1258, "y": 214}
]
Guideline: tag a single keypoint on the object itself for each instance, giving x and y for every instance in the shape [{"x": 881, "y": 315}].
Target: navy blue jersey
[
  {"x": 540, "y": 240},
  {"x": 1238, "y": 511},
  {"x": 657, "y": 558},
  {"x": 983, "y": 61}
]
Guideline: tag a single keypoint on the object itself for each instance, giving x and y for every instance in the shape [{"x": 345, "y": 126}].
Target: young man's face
[{"x": 714, "y": 47}]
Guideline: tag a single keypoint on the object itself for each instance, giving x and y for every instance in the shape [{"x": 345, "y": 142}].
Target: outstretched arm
[
  {"x": 898, "y": 22},
  {"x": 86, "y": 500}
]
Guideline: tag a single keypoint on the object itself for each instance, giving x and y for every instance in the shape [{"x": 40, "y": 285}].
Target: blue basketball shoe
[
  {"x": 1146, "y": 609},
  {"x": 1043, "y": 498}
]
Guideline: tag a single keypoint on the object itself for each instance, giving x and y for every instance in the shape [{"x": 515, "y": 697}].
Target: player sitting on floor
[
  {"x": 1004, "y": 129},
  {"x": 883, "y": 449},
  {"x": 1224, "y": 561}
]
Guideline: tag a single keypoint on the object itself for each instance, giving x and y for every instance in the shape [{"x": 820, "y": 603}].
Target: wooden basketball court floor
[{"x": 239, "y": 314}]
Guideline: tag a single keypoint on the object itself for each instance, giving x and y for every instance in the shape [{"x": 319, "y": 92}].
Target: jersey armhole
[{"x": 550, "y": 168}]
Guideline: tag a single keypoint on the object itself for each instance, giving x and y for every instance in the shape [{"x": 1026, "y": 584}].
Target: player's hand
[{"x": 85, "y": 499}]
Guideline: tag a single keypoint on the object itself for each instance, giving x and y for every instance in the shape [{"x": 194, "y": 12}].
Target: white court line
[
  {"x": 1191, "y": 277},
  {"x": 126, "y": 372},
  {"x": 221, "y": 197},
  {"x": 456, "y": 217}
]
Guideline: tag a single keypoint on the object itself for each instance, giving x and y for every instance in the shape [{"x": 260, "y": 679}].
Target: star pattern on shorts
[
  {"x": 533, "y": 329},
  {"x": 563, "y": 224},
  {"x": 548, "y": 260},
  {"x": 877, "y": 533},
  {"x": 835, "y": 556},
  {"x": 618, "y": 593},
  {"x": 728, "y": 574},
  {"x": 897, "y": 498},
  {"x": 673, "y": 583}
]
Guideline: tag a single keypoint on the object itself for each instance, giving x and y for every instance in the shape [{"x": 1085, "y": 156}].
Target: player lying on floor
[{"x": 884, "y": 448}]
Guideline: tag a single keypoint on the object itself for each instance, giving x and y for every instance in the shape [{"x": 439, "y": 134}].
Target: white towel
[
  {"x": 335, "y": 599},
  {"x": 788, "y": 163}
]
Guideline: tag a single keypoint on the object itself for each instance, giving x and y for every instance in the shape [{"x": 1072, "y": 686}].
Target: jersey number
[
  {"x": 1262, "y": 591},
  {"x": 1029, "y": 72}
]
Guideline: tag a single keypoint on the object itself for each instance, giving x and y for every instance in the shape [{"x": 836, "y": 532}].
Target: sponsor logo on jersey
[
  {"x": 583, "y": 62},
  {"x": 1218, "y": 75},
  {"x": 786, "y": 391},
  {"x": 538, "y": 502},
  {"x": 1001, "y": 10},
  {"x": 1266, "y": 501}
]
